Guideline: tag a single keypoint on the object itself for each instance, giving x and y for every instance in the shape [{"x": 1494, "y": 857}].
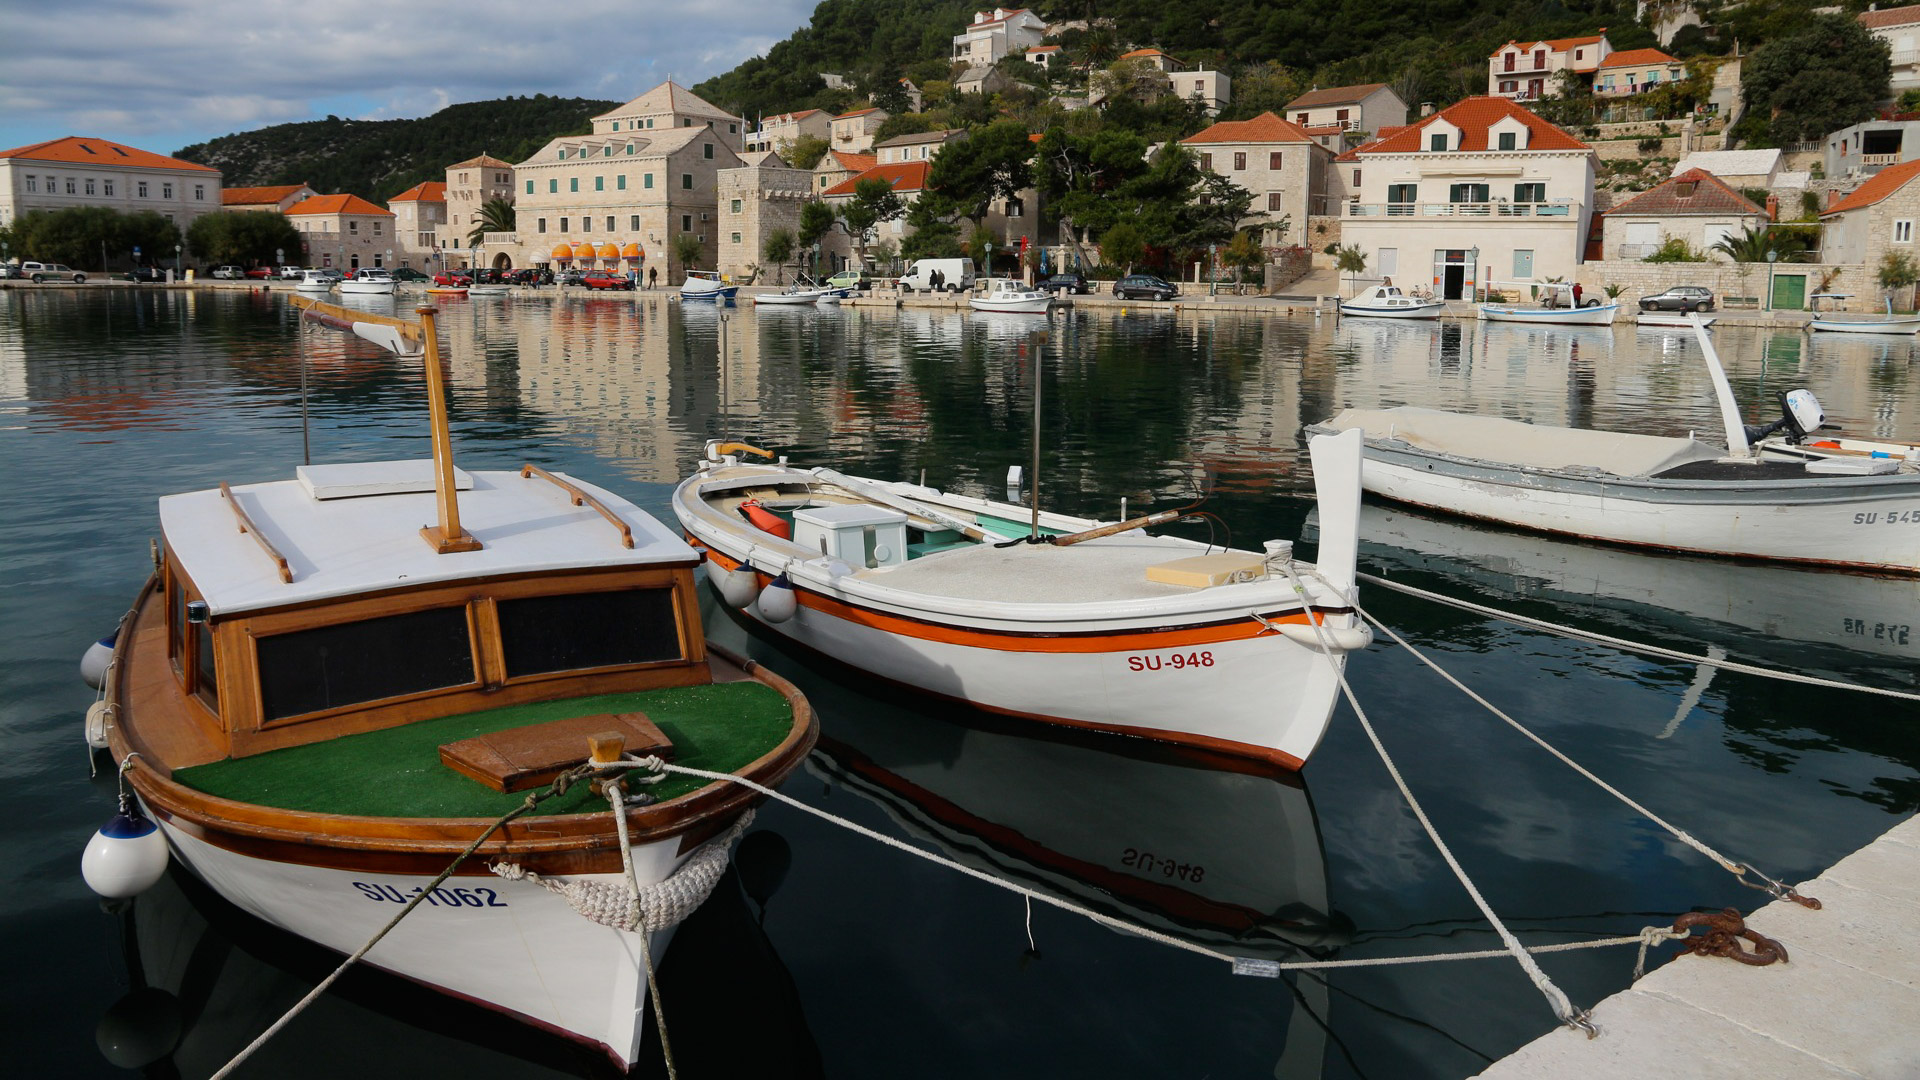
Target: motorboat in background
[
  {"x": 1012, "y": 296},
  {"x": 369, "y": 281},
  {"x": 706, "y": 285},
  {"x": 1386, "y": 301},
  {"x": 317, "y": 281}
]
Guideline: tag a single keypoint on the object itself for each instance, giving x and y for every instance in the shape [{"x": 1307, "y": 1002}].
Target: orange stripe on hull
[{"x": 1240, "y": 629}]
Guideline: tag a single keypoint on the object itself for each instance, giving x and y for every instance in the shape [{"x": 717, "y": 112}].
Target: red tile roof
[
  {"x": 1885, "y": 17},
  {"x": 258, "y": 196},
  {"x": 1324, "y": 129},
  {"x": 425, "y": 191},
  {"x": 1878, "y": 186},
  {"x": 83, "y": 150},
  {"x": 1143, "y": 52},
  {"x": 337, "y": 204},
  {"x": 1001, "y": 19},
  {"x": 1637, "y": 58},
  {"x": 1556, "y": 44},
  {"x": 905, "y": 176},
  {"x": 1474, "y": 117},
  {"x": 855, "y": 162},
  {"x": 1265, "y": 128},
  {"x": 854, "y": 113},
  {"x": 1044, "y": 48},
  {"x": 1711, "y": 195},
  {"x": 1335, "y": 95}
]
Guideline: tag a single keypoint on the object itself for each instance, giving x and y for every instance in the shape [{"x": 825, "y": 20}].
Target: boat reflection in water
[
  {"x": 1859, "y": 627},
  {"x": 205, "y": 978}
]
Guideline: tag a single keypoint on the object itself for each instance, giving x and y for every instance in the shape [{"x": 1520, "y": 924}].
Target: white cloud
[{"x": 161, "y": 77}]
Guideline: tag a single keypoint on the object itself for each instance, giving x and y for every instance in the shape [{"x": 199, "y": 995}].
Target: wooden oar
[{"x": 880, "y": 497}]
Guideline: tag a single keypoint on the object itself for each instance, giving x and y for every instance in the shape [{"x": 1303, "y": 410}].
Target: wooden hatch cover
[{"x": 527, "y": 757}]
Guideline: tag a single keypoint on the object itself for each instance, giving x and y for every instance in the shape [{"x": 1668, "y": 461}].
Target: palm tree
[
  {"x": 1747, "y": 247},
  {"x": 496, "y": 215},
  {"x": 1350, "y": 260}
]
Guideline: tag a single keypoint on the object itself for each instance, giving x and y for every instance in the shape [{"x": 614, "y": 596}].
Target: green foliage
[
  {"x": 816, "y": 218},
  {"x": 1897, "y": 270},
  {"x": 1613, "y": 291},
  {"x": 804, "y": 152},
  {"x": 378, "y": 159},
  {"x": 932, "y": 238},
  {"x": 687, "y": 250},
  {"x": 779, "y": 248},
  {"x": 874, "y": 201},
  {"x": 1676, "y": 249},
  {"x": 242, "y": 238},
  {"x": 1753, "y": 245},
  {"x": 496, "y": 215},
  {"x": 978, "y": 242},
  {"x": 1350, "y": 260},
  {"x": 1827, "y": 74},
  {"x": 904, "y": 123},
  {"x": 971, "y": 175},
  {"x": 76, "y": 237},
  {"x": 1122, "y": 245},
  {"x": 1243, "y": 253}
]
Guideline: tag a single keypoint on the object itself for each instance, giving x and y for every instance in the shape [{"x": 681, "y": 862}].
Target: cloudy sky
[{"x": 164, "y": 76}]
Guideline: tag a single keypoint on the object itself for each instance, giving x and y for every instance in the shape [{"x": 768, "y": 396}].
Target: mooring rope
[
  {"x": 1739, "y": 870},
  {"x": 1569, "y": 1014},
  {"x": 1632, "y": 646},
  {"x": 615, "y": 795}
]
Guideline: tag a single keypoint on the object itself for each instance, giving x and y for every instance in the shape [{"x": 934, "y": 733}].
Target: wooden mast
[{"x": 447, "y": 537}]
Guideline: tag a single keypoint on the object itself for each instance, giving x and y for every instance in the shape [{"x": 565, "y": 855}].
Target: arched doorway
[{"x": 503, "y": 261}]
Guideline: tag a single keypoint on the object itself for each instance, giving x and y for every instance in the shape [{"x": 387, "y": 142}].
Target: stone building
[
  {"x": 835, "y": 167},
  {"x": 418, "y": 213},
  {"x": 1524, "y": 70},
  {"x": 1875, "y": 220},
  {"x": 758, "y": 197},
  {"x": 1694, "y": 206},
  {"x": 468, "y": 187},
  {"x": 997, "y": 33},
  {"x": 924, "y": 146},
  {"x": 344, "y": 232},
  {"x": 671, "y": 105},
  {"x": 1274, "y": 159},
  {"x": 778, "y": 133},
  {"x": 80, "y": 171},
  {"x": 852, "y": 132},
  {"x": 1363, "y": 109}
]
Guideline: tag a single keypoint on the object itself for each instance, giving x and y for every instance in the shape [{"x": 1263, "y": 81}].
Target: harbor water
[{"x": 826, "y": 954}]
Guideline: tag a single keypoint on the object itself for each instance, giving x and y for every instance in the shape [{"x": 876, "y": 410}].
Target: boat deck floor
[
  {"x": 397, "y": 772},
  {"x": 1095, "y": 571},
  {"x": 1748, "y": 470}
]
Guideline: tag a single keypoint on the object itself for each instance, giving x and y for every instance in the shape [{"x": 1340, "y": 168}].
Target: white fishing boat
[
  {"x": 324, "y": 706},
  {"x": 369, "y": 282},
  {"x": 1843, "y": 323},
  {"x": 794, "y": 296},
  {"x": 706, "y": 285},
  {"x": 1672, "y": 319},
  {"x": 489, "y": 288},
  {"x": 1673, "y": 493},
  {"x": 1012, "y": 296},
  {"x": 1551, "y": 302},
  {"x": 317, "y": 281},
  {"x": 1386, "y": 301},
  {"x": 1055, "y": 618},
  {"x": 831, "y": 297}
]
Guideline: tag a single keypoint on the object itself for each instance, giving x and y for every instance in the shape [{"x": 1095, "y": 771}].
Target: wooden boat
[
  {"x": 1832, "y": 323},
  {"x": 1386, "y": 301},
  {"x": 368, "y": 281},
  {"x": 706, "y": 285},
  {"x": 323, "y": 704},
  {"x": 794, "y": 296},
  {"x": 1055, "y": 618},
  {"x": 1558, "y": 308},
  {"x": 1012, "y": 296},
  {"x": 1676, "y": 494},
  {"x": 1672, "y": 319},
  {"x": 446, "y": 290},
  {"x": 494, "y": 288}
]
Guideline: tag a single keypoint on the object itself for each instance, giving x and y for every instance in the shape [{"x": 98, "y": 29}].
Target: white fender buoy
[
  {"x": 778, "y": 602},
  {"x": 739, "y": 586},
  {"x": 1343, "y": 638},
  {"x": 126, "y": 857},
  {"x": 93, "y": 662},
  {"x": 140, "y": 1028},
  {"x": 97, "y": 725}
]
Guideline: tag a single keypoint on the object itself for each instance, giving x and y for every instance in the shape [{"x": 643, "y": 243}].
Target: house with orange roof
[
  {"x": 1277, "y": 161},
  {"x": 1154, "y": 59},
  {"x": 852, "y": 132},
  {"x": 835, "y": 166},
  {"x": 271, "y": 200},
  {"x": 778, "y": 133},
  {"x": 1482, "y": 191},
  {"x": 1877, "y": 218},
  {"x": 60, "y": 174},
  {"x": 1524, "y": 70},
  {"x": 997, "y": 33},
  {"x": 1634, "y": 71},
  {"x": 1044, "y": 56},
  {"x": 1212, "y": 89},
  {"x": 344, "y": 232},
  {"x": 924, "y": 146},
  {"x": 418, "y": 213},
  {"x": 1362, "y": 109},
  {"x": 1693, "y": 205},
  {"x": 469, "y": 185},
  {"x": 1899, "y": 27}
]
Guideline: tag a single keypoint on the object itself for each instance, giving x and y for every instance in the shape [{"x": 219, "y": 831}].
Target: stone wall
[{"x": 1727, "y": 280}]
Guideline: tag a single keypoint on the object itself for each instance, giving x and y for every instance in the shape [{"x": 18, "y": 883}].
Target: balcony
[
  {"x": 1879, "y": 160},
  {"x": 1635, "y": 251},
  {"x": 500, "y": 239},
  {"x": 1498, "y": 208}
]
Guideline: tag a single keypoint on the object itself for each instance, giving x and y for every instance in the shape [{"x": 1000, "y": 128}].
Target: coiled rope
[{"x": 1631, "y": 646}]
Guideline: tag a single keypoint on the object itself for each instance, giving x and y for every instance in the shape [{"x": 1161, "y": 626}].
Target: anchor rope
[
  {"x": 615, "y": 796},
  {"x": 1738, "y": 869},
  {"x": 1569, "y": 1014},
  {"x": 1632, "y": 646}
]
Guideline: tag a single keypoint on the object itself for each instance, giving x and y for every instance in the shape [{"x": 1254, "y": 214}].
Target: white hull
[
  {"x": 507, "y": 945},
  {"x": 367, "y": 288},
  {"x": 1586, "y": 316},
  {"x": 489, "y": 290},
  {"x": 787, "y": 299},
  {"x": 1907, "y": 324},
  {"x": 313, "y": 287},
  {"x": 1368, "y": 311},
  {"x": 1672, "y": 319},
  {"x": 1032, "y": 306}
]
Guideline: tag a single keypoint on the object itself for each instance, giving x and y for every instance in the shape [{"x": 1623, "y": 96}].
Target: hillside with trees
[{"x": 378, "y": 159}]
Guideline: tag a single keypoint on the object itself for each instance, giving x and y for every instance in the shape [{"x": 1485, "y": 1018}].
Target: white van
[{"x": 956, "y": 275}]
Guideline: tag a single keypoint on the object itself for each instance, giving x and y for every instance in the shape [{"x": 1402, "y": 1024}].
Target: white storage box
[{"x": 855, "y": 533}]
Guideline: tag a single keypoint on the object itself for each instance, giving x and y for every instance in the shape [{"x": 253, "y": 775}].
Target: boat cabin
[{"x": 300, "y": 611}]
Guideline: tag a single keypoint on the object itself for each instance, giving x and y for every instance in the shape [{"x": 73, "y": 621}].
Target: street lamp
[
  {"x": 1213, "y": 279},
  {"x": 1473, "y": 273},
  {"x": 176, "y": 262},
  {"x": 1772, "y": 257},
  {"x": 989, "y": 260},
  {"x": 389, "y": 258}
]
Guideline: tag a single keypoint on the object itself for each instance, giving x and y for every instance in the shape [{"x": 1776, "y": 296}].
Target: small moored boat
[
  {"x": 1841, "y": 323},
  {"x": 796, "y": 295},
  {"x": 706, "y": 285},
  {"x": 370, "y": 282},
  {"x": 323, "y": 705},
  {"x": 1386, "y": 301},
  {"x": 1672, "y": 319},
  {"x": 1558, "y": 305},
  {"x": 317, "y": 281},
  {"x": 1012, "y": 296}
]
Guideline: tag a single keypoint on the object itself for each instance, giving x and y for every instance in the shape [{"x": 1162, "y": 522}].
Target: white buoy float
[
  {"x": 97, "y": 725},
  {"x": 93, "y": 662},
  {"x": 739, "y": 586},
  {"x": 778, "y": 602},
  {"x": 127, "y": 856}
]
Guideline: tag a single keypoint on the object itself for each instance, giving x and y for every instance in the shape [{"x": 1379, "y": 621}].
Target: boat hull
[
  {"x": 1672, "y": 319},
  {"x": 786, "y": 299},
  {"x": 1367, "y": 311},
  {"x": 367, "y": 288},
  {"x": 1901, "y": 326},
  {"x": 1857, "y": 522},
  {"x": 1034, "y": 306},
  {"x": 1586, "y": 316}
]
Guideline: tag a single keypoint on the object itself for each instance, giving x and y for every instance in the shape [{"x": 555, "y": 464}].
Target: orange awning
[
  {"x": 633, "y": 251},
  {"x": 564, "y": 251},
  {"x": 583, "y": 251},
  {"x": 609, "y": 250}
]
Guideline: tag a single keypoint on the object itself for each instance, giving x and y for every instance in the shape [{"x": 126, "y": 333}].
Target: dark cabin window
[
  {"x": 309, "y": 671},
  {"x": 205, "y": 684},
  {"x": 593, "y": 630}
]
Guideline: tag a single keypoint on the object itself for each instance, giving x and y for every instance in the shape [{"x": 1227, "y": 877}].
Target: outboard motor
[{"x": 1800, "y": 416}]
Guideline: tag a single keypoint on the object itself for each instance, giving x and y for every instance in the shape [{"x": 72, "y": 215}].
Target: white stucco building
[{"x": 80, "y": 171}]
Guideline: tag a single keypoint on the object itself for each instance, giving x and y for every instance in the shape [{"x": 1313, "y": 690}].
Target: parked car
[
  {"x": 570, "y": 277},
  {"x": 461, "y": 276},
  {"x": 261, "y": 273},
  {"x": 607, "y": 279},
  {"x": 530, "y": 275},
  {"x": 850, "y": 279},
  {"x": 1068, "y": 282},
  {"x": 1144, "y": 287},
  {"x": 151, "y": 275},
  {"x": 1679, "y": 298},
  {"x": 9, "y": 270},
  {"x": 228, "y": 273},
  {"x": 38, "y": 272},
  {"x": 290, "y": 273},
  {"x": 408, "y": 273}
]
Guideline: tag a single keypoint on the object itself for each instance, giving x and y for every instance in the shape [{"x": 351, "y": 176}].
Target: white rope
[
  {"x": 614, "y": 796},
  {"x": 1562, "y": 1007},
  {"x": 1633, "y": 646}
]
